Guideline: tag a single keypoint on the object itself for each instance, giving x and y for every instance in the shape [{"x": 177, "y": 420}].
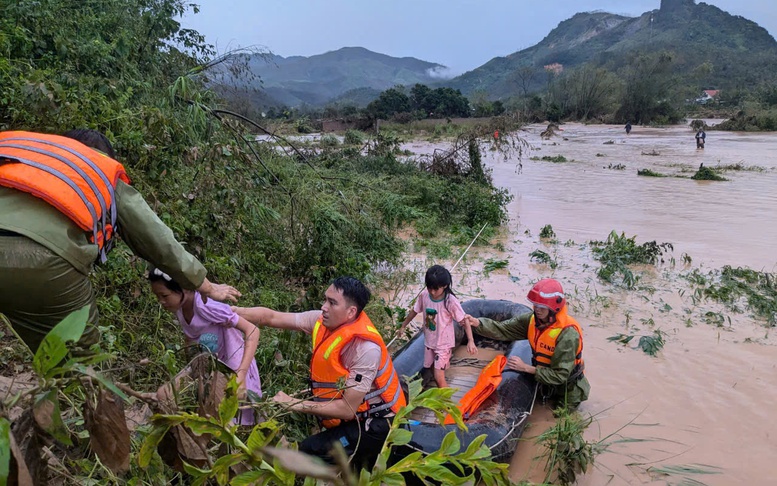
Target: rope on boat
[{"x": 475, "y": 362}]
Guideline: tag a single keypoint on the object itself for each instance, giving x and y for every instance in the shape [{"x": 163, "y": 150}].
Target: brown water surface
[{"x": 709, "y": 396}]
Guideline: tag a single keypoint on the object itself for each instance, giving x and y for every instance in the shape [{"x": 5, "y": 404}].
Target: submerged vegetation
[
  {"x": 707, "y": 174},
  {"x": 649, "y": 173},
  {"x": 739, "y": 288},
  {"x": 618, "y": 252},
  {"x": 651, "y": 344},
  {"x": 557, "y": 159},
  {"x": 542, "y": 257},
  {"x": 569, "y": 454}
]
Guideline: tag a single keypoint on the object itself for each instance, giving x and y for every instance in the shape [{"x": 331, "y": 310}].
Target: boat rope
[
  {"x": 475, "y": 362},
  {"x": 524, "y": 416}
]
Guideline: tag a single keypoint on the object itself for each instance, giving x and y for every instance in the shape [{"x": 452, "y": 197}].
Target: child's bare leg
[{"x": 439, "y": 377}]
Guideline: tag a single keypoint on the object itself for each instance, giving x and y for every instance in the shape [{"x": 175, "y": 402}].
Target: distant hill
[
  {"x": 315, "y": 80},
  {"x": 740, "y": 52}
]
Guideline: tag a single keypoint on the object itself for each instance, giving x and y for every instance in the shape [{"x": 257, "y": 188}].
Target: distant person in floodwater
[
  {"x": 556, "y": 340},
  {"x": 628, "y": 128},
  {"x": 700, "y": 138}
]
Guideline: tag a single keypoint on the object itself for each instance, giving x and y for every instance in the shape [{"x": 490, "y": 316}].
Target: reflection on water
[{"x": 708, "y": 396}]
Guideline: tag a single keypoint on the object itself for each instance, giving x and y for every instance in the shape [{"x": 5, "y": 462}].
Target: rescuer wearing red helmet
[{"x": 556, "y": 341}]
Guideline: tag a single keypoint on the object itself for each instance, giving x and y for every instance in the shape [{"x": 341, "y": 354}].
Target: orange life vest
[
  {"x": 77, "y": 180},
  {"x": 328, "y": 374},
  {"x": 543, "y": 342},
  {"x": 488, "y": 381}
]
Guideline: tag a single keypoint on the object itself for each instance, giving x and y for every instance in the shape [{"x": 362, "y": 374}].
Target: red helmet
[{"x": 549, "y": 294}]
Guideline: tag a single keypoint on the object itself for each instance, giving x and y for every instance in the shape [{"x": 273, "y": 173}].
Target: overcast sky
[{"x": 461, "y": 34}]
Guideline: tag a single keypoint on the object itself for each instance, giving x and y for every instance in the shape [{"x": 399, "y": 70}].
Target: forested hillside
[{"x": 709, "y": 46}]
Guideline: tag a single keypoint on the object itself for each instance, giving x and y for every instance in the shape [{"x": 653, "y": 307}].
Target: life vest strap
[
  {"x": 66, "y": 180},
  {"x": 383, "y": 409},
  {"x": 323, "y": 384},
  {"x": 109, "y": 211}
]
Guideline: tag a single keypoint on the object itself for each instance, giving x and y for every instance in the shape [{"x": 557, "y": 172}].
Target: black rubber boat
[{"x": 503, "y": 416}]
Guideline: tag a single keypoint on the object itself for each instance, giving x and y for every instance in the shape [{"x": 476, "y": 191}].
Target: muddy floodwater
[{"x": 708, "y": 398}]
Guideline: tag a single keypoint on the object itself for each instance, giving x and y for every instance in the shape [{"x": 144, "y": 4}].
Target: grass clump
[
  {"x": 618, "y": 252},
  {"x": 651, "y": 344},
  {"x": 758, "y": 290},
  {"x": 540, "y": 256},
  {"x": 557, "y": 159},
  {"x": 649, "y": 173},
  {"x": 707, "y": 174},
  {"x": 329, "y": 141},
  {"x": 547, "y": 232},
  {"x": 567, "y": 452}
]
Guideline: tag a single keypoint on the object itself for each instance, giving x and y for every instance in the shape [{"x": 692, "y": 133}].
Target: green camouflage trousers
[{"x": 39, "y": 288}]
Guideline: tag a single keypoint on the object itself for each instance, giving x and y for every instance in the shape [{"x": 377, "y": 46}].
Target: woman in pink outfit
[{"x": 215, "y": 327}]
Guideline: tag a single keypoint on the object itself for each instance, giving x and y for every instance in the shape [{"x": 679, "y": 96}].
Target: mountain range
[
  {"x": 316, "y": 80},
  {"x": 735, "y": 53}
]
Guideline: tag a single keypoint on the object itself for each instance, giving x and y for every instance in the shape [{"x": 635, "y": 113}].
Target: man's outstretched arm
[{"x": 262, "y": 316}]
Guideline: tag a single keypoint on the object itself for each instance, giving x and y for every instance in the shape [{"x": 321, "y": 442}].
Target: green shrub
[
  {"x": 618, "y": 252},
  {"x": 329, "y": 141},
  {"x": 649, "y": 173},
  {"x": 707, "y": 174},
  {"x": 353, "y": 137}
]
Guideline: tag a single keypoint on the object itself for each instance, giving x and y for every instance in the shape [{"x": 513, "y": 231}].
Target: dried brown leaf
[
  {"x": 214, "y": 390},
  {"x": 19, "y": 474},
  {"x": 43, "y": 412},
  {"x": 108, "y": 432}
]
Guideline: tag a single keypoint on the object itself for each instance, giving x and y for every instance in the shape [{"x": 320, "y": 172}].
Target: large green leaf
[
  {"x": 49, "y": 354},
  {"x": 450, "y": 444},
  {"x": 414, "y": 389},
  {"x": 399, "y": 437},
  {"x": 262, "y": 434},
  {"x": 228, "y": 406},
  {"x": 392, "y": 480},
  {"x": 476, "y": 449},
  {"x": 221, "y": 467},
  {"x": 150, "y": 444},
  {"x": 5, "y": 450},
  {"x": 49, "y": 417},
  {"x": 53, "y": 348},
  {"x": 72, "y": 327},
  {"x": 247, "y": 478}
]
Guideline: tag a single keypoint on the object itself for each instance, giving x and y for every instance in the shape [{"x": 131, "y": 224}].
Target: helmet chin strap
[{"x": 550, "y": 321}]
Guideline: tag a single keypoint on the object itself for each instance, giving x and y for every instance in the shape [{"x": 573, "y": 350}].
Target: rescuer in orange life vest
[
  {"x": 355, "y": 389},
  {"x": 62, "y": 200},
  {"x": 556, "y": 341}
]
